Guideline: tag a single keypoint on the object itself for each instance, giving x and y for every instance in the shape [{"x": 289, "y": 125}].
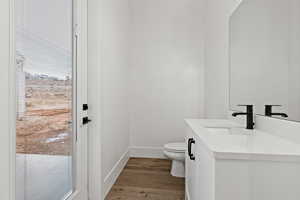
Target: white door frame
[
  {"x": 80, "y": 36},
  {"x": 8, "y": 118},
  {"x": 95, "y": 28}
]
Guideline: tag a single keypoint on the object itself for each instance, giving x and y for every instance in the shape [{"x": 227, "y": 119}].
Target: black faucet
[
  {"x": 249, "y": 114},
  {"x": 269, "y": 113}
]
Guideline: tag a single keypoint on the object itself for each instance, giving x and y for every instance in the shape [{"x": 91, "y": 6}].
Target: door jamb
[
  {"x": 95, "y": 23},
  {"x": 12, "y": 106}
]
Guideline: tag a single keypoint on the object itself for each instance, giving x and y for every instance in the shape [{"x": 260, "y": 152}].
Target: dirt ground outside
[{"x": 46, "y": 126}]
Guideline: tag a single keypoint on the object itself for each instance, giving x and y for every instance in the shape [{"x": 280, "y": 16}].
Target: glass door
[{"x": 46, "y": 100}]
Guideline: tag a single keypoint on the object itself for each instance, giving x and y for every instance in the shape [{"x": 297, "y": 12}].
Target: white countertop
[{"x": 247, "y": 145}]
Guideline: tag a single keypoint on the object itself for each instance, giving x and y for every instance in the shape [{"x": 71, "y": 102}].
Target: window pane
[{"x": 44, "y": 88}]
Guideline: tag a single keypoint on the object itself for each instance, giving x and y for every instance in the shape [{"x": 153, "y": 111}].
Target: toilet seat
[{"x": 175, "y": 147}]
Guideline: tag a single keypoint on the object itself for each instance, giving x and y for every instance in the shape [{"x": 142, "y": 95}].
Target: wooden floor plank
[{"x": 147, "y": 179}]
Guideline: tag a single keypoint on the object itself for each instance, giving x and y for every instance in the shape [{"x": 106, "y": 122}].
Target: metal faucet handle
[
  {"x": 249, "y": 115},
  {"x": 270, "y": 113},
  {"x": 245, "y": 105}
]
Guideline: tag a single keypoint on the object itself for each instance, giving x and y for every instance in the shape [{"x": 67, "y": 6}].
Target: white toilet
[{"x": 176, "y": 153}]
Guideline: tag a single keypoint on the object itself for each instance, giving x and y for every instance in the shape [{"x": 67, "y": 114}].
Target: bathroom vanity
[{"x": 225, "y": 161}]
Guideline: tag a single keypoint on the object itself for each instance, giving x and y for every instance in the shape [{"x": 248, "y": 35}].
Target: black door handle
[
  {"x": 190, "y": 142},
  {"x": 86, "y": 120},
  {"x": 189, "y": 146}
]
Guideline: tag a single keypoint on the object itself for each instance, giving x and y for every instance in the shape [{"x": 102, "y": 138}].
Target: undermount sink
[{"x": 230, "y": 131}]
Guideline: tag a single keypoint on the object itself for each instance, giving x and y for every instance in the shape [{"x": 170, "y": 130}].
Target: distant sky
[{"x": 46, "y": 40}]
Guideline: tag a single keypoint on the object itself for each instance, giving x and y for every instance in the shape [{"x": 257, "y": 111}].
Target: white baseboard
[
  {"x": 147, "y": 152},
  {"x": 112, "y": 176}
]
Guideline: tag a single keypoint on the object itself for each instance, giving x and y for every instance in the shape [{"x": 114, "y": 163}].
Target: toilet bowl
[{"x": 176, "y": 153}]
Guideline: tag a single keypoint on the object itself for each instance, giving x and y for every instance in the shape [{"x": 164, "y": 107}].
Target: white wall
[
  {"x": 108, "y": 80},
  {"x": 216, "y": 57},
  {"x": 115, "y": 111},
  {"x": 166, "y": 69}
]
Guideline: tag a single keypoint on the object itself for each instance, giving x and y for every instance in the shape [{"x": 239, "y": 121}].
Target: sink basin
[{"x": 230, "y": 131}]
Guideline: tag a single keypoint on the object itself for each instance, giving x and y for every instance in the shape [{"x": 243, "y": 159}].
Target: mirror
[{"x": 265, "y": 57}]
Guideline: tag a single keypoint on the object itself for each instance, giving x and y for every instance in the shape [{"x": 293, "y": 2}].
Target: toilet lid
[{"x": 175, "y": 147}]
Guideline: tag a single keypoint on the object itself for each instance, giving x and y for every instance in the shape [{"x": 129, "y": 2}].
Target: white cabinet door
[
  {"x": 199, "y": 169},
  {"x": 191, "y": 172},
  {"x": 205, "y": 171}
]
